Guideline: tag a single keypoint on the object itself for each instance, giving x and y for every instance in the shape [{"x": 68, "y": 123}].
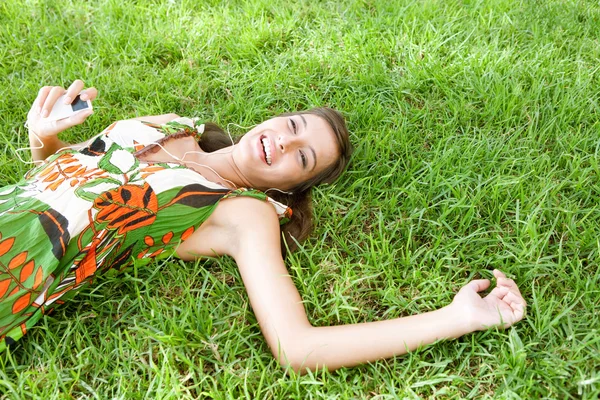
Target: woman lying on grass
[{"x": 154, "y": 187}]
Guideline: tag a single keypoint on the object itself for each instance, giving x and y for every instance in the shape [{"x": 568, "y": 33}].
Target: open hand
[
  {"x": 503, "y": 306},
  {"x": 46, "y": 99}
]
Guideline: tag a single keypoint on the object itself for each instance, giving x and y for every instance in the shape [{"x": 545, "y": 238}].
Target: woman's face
[{"x": 283, "y": 152}]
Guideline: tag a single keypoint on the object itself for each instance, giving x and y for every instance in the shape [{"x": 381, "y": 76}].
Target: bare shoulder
[
  {"x": 243, "y": 213},
  {"x": 235, "y": 221}
]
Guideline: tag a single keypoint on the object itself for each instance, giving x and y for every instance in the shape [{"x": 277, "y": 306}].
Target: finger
[
  {"x": 512, "y": 298},
  {"x": 73, "y": 90},
  {"x": 508, "y": 283},
  {"x": 478, "y": 284},
  {"x": 499, "y": 292},
  {"x": 89, "y": 94},
  {"x": 518, "y": 311},
  {"x": 516, "y": 304},
  {"x": 499, "y": 274},
  {"x": 80, "y": 117},
  {"x": 41, "y": 98},
  {"x": 54, "y": 94},
  {"x": 73, "y": 120},
  {"x": 505, "y": 282},
  {"x": 515, "y": 291}
]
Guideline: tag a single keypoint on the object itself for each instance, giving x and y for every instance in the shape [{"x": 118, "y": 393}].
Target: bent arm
[
  {"x": 43, "y": 133},
  {"x": 282, "y": 318},
  {"x": 44, "y": 146}
]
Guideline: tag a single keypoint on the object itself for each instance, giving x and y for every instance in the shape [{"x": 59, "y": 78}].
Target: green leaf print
[
  {"x": 85, "y": 193},
  {"x": 118, "y": 161}
]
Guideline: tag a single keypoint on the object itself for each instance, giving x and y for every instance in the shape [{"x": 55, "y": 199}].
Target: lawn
[{"x": 477, "y": 135}]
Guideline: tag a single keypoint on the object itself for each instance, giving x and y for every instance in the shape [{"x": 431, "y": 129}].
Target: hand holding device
[
  {"x": 62, "y": 109},
  {"x": 56, "y": 109}
]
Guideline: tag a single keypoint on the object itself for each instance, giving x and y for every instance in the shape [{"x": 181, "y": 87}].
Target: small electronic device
[{"x": 62, "y": 110}]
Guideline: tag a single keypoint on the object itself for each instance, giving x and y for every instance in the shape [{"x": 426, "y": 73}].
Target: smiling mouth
[{"x": 267, "y": 149}]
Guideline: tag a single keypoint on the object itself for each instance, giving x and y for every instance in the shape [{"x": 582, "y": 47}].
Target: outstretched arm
[{"x": 295, "y": 342}]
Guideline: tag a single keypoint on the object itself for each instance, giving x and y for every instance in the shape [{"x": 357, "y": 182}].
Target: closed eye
[
  {"x": 302, "y": 155},
  {"x": 304, "y": 159}
]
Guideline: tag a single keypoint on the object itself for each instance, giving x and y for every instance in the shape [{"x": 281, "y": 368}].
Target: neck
[{"x": 219, "y": 167}]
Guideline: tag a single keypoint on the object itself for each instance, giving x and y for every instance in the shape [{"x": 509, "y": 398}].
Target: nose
[{"x": 286, "y": 143}]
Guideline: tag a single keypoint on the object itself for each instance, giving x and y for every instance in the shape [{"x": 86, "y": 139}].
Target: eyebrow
[{"x": 312, "y": 150}]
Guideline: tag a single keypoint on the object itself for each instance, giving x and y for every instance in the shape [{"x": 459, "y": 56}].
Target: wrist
[
  {"x": 460, "y": 318},
  {"x": 34, "y": 135},
  {"x": 43, "y": 146}
]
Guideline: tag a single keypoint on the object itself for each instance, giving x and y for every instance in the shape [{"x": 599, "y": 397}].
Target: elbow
[
  {"x": 291, "y": 362},
  {"x": 294, "y": 353}
]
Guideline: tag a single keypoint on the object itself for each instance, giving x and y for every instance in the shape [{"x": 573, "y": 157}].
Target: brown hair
[{"x": 297, "y": 229}]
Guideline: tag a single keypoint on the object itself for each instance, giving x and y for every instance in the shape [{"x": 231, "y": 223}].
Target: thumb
[
  {"x": 73, "y": 120},
  {"x": 478, "y": 284}
]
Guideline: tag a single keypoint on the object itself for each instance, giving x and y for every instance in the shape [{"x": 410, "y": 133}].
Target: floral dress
[{"x": 83, "y": 212}]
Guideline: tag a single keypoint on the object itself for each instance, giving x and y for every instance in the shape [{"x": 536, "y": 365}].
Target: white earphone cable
[{"x": 181, "y": 160}]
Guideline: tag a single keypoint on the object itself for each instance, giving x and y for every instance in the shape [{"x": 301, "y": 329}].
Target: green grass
[{"x": 477, "y": 131}]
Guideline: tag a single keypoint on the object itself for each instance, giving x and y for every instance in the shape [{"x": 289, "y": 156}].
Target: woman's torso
[
  {"x": 125, "y": 192},
  {"x": 83, "y": 212}
]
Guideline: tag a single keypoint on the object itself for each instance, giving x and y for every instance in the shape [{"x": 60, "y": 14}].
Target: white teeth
[{"x": 267, "y": 148}]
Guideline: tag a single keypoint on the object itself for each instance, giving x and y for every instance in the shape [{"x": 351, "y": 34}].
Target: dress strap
[{"x": 181, "y": 125}]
